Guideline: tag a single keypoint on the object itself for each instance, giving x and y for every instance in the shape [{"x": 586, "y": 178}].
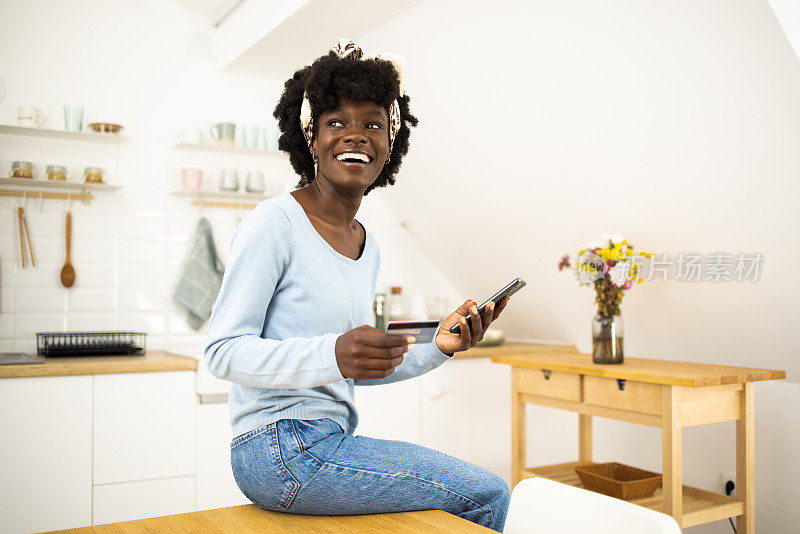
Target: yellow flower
[{"x": 647, "y": 254}]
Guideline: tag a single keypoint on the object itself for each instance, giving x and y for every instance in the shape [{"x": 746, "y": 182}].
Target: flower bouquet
[{"x": 610, "y": 265}]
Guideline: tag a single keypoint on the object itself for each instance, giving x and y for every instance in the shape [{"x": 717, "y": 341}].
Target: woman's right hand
[{"x": 365, "y": 352}]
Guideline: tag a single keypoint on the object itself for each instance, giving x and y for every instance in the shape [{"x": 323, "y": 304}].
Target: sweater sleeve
[
  {"x": 421, "y": 357},
  {"x": 260, "y": 256}
]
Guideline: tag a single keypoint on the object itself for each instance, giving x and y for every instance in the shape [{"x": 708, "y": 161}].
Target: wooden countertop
[
  {"x": 566, "y": 358},
  {"x": 153, "y": 360},
  {"x": 249, "y": 518}
]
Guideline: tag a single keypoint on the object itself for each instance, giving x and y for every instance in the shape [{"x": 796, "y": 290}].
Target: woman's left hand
[{"x": 451, "y": 343}]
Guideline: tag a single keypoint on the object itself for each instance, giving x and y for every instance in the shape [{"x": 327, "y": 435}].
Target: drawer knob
[
  {"x": 621, "y": 384},
  {"x": 546, "y": 374}
]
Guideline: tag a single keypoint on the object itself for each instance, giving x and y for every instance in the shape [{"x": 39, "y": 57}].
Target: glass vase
[{"x": 607, "y": 339}]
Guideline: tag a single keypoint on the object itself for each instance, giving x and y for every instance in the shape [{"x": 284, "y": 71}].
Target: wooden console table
[{"x": 665, "y": 394}]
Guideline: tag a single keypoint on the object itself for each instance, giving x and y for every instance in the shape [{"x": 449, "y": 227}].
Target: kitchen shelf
[
  {"x": 28, "y": 183},
  {"x": 222, "y": 199},
  {"x": 699, "y": 506},
  {"x": 33, "y": 188},
  {"x": 61, "y": 134},
  {"x": 208, "y": 147}
]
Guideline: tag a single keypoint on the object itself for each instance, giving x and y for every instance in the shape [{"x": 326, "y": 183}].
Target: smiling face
[{"x": 352, "y": 143}]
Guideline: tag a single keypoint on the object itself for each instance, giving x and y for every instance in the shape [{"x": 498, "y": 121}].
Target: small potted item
[
  {"x": 22, "y": 169},
  {"x": 93, "y": 175},
  {"x": 57, "y": 173}
]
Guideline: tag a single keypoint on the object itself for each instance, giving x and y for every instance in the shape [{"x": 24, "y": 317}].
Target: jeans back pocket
[{"x": 259, "y": 470}]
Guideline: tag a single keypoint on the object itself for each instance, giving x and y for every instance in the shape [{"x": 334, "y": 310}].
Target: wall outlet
[{"x": 724, "y": 478}]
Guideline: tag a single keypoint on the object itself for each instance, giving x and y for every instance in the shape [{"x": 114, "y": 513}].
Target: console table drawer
[
  {"x": 552, "y": 384},
  {"x": 641, "y": 397}
]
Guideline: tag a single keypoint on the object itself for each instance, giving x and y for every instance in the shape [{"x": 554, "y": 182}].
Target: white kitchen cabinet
[
  {"x": 216, "y": 487},
  {"x": 389, "y": 411},
  {"x": 45, "y": 453},
  {"x": 466, "y": 412},
  {"x": 144, "y": 426},
  {"x": 138, "y": 500}
]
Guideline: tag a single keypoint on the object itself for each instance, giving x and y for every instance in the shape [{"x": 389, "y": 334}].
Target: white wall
[
  {"x": 127, "y": 63},
  {"x": 544, "y": 124}
]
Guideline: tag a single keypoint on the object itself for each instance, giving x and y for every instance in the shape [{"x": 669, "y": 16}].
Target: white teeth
[{"x": 353, "y": 155}]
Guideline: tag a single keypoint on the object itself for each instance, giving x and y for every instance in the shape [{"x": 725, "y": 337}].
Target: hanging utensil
[
  {"x": 68, "y": 271},
  {"x": 28, "y": 237},
  {"x": 24, "y": 236}
]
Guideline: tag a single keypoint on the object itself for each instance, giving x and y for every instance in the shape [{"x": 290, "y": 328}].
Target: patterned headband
[{"x": 347, "y": 48}]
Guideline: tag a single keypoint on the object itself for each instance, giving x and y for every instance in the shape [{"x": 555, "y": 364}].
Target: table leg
[
  {"x": 584, "y": 439},
  {"x": 517, "y": 430},
  {"x": 672, "y": 443},
  {"x": 745, "y": 461}
]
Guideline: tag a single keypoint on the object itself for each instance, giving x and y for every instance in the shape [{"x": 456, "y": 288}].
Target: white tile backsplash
[
  {"x": 92, "y": 321},
  {"x": 40, "y": 299},
  {"x": 142, "y": 252},
  {"x": 143, "y": 299},
  {"x": 89, "y": 299},
  {"x": 45, "y": 274},
  {"x": 152, "y": 323}
]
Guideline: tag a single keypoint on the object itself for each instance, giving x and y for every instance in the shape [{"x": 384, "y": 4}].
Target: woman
[{"x": 301, "y": 275}]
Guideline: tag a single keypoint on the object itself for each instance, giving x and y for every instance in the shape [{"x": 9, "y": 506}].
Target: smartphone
[{"x": 512, "y": 287}]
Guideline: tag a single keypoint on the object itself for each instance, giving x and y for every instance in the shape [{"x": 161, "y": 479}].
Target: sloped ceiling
[{"x": 788, "y": 14}]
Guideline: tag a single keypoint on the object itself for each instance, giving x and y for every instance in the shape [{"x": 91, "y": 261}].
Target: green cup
[{"x": 73, "y": 118}]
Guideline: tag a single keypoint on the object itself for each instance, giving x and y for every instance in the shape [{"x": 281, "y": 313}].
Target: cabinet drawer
[
  {"x": 552, "y": 384},
  {"x": 640, "y": 397}
]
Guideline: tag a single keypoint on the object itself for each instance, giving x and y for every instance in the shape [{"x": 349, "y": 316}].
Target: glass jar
[
  {"x": 22, "y": 169},
  {"x": 379, "y": 311},
  {"x": 57, "y": 173},
  {"x": 93, "y": 175},
  {"x": 607, "y": 339},
  {"x": 396, "y": 306}
]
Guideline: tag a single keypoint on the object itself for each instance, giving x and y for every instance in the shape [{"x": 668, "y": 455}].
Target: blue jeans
[{"x": 313, "y": 467}]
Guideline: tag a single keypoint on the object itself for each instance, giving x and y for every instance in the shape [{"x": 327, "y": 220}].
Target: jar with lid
[
  {"x": 57, "y": 173},
  {"x": 93, "y": 175},
  {"x": 396, "y": 305},
  {"x": 22, "y": 169}
]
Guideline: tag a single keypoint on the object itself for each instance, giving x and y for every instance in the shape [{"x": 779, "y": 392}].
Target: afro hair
[{"x": 325, "y": 81}]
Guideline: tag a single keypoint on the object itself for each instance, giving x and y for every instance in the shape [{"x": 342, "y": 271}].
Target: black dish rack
[{"x": 52, "y": 344}]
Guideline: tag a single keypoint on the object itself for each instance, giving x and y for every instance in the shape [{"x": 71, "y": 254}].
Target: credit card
[{"x": 423, "y": 331}]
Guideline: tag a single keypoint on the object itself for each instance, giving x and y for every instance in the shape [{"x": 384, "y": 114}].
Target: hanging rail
[
  {"x": 33, "y": 194},
  {"x": 220, "y": 204}
]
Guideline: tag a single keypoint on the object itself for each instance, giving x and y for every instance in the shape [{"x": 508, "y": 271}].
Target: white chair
[{"x": 542, "y": 506}]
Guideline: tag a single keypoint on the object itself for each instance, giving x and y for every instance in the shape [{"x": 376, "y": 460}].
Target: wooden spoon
[{"x": 68, "y": 271}]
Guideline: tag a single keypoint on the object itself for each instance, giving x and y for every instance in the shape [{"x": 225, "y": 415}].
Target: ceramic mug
[
  {"x": 31, "y": 117},
  {"x": 223, "y": 132},
  {"x": 193, "y": 178},
  {"x": 228, "y": 180},
  {"x": 254, "y": 182}
]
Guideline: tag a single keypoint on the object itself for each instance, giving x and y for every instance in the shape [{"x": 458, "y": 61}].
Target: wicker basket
[{"x": 619, "y": 480}]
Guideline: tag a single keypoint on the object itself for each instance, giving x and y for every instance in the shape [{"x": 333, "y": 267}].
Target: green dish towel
[{"x": 200, "y": 278}]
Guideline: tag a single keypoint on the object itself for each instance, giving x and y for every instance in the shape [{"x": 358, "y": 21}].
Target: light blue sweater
[{"x": 286, "y": 296}]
